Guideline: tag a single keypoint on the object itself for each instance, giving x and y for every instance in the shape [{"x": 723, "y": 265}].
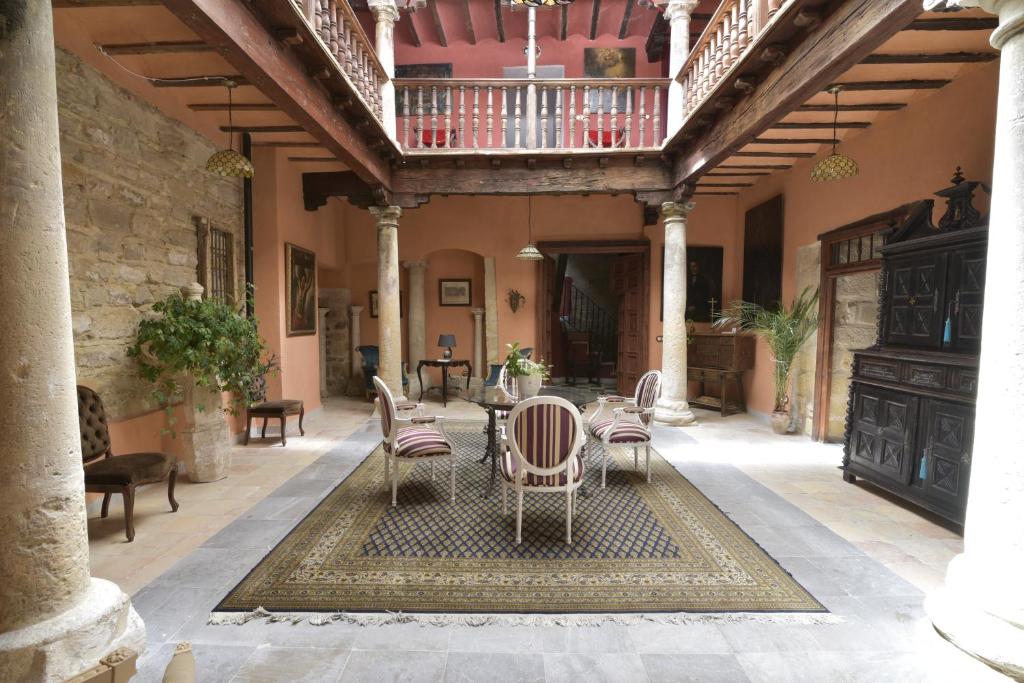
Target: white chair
[
  {"x": 629, "y": 422},
  {"x": 541, "y": 453},
  {"x": 410, "y": 438}
]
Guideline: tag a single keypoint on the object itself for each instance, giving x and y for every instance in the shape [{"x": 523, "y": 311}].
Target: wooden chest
[{"x": 721, "y": 351}]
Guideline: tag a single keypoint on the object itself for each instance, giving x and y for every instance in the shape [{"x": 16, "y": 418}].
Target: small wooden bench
[{"x": 279, "y": 410}]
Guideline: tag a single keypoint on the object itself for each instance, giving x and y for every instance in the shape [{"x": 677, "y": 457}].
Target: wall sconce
[{"x": 515, "y": 299}]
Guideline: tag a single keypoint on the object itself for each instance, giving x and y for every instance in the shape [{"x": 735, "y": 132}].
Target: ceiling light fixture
[
  {"x": 227, "y": 162},
  {"x": 530, "y": 251},
  {"x": 835, "y": 166}
]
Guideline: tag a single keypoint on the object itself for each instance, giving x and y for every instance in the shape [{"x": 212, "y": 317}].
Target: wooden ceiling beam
[
  {"x": 262, "y": 129},
  {"x": 716, "y": 194},
  {"x": 919, "y": 84},
  {"x": 198, "y": 81},
  {"x": 499, "y": 21},
  {"x": 878, "y": 106},
  {"x": 154, "y": 48},
  {"x": 736, "y": 174},
  {"x": 285, "y": 144},
  {"x": 325, "y": 160},
  {"x": 852, "y": 30},
  {"x": 772, "y": 155},
  {"x": 794, "y": 141},
  {"x": 234, "y": 31},
  {"x": 235, "y": 106},
  {"x": 414, "y": 36},
  {"x": 954, "y": 24},
  {"x": 626, "y": 14},
  {"x": 467, "y": 19},
  {"x": 703, "y": 184},
  {"x": 931, "y": 58},
  {"x": 442, "y": 38},
  {"x": 594, "y": 19},
  {"x": 62, "y": 4},
  {"x": 772, "y": 167},
  {"x": 815, "y": 125}
]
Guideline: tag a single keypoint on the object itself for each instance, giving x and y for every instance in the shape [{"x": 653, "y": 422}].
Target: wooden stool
[{"x": 274, "y": 409}]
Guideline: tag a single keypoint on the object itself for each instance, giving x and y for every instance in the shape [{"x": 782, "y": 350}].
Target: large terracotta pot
[
  {"x": 780, "y": 422},
  {"x": 529, "y": 385}
]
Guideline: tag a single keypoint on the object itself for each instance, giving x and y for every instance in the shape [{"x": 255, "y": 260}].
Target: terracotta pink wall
[
  {"x": 904, "y": 156},
  {"x": 452, "y": 264}
]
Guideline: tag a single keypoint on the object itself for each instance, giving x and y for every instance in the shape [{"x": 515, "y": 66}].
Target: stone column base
[
  {"x": 958, "y": 618},
  {"x": 671, "y": 412},
  {"x": 74, "y": 641}
]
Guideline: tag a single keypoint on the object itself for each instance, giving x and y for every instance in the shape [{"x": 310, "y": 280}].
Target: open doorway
[{"x": 593, "y": 312}]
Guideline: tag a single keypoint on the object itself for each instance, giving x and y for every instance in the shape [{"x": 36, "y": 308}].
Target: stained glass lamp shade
[{"x": 835, "y": 166}]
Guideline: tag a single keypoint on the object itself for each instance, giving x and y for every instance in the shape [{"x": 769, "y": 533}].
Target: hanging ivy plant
[{"x": 207, "y": 339}]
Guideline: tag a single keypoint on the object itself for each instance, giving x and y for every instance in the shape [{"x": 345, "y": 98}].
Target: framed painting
[
  {"x": 300, "y": 290},
  {"x": 609, "y": 62},
  {"x": 435, "y": 71},
  {"x": 375, "y": 304},
  {"x": 455, "y": 292},
  {"x": 703, "y": 283}
]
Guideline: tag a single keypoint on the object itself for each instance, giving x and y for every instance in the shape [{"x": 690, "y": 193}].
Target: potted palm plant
[
  {"x": 785, "y": 330},
  {"x": 529, "y": 374}
]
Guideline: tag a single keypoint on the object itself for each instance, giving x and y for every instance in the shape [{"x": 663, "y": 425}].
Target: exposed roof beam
[
  {"x": 626, "y": 14},
  {"x": 325, "y": 160},
  {"x": 249, "y": 46},
  {"x": 815, "y": 125},
  {"x": 438, "y": 25},
  {"x": 593, "y": 19},
  {"x": 285, "y": 144},
  {"x": 467, "y": 18},
  {"x": 59, "y": 4},
  {"x": 198, "y": 81},
  {"x": 846, "y": 35},
  {"x": 414, "y": 36},
  {"x": 931, "y": 58},
  {"x": 878, "y": 106},
  {"x": 655, "y": 45},
  {"x": 772, "y": 167},
  {"x": 784, "y": 155},
  {"x": 736, "y": 174},
  {"x": 499, "y": 21},
  {"x": 921, "y": 84},
  {"x": 262, "y": 129},
  {"x": 716, "y": 194},
  {"x": 235, "y": 106},
  {"x": 159, "y": 47},
  {"x": 794, "y": 141},
  {"x": 564, "y": 31},
  {"x": 954, "y": 24},
  {"x": 725, "y": 185}
]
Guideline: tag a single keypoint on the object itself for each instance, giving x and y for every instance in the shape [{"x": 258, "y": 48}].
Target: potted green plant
[
  {"x": 192, "y": 351},
  {"x": 529, "y": 374},
  {"x": 785, "y": 330}
]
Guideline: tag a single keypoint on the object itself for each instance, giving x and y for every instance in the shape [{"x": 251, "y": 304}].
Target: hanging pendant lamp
[
  {"x": 530, "y": 251},
  {"x": 835, "y": 166},
  {"x": 227, "y": 162}
]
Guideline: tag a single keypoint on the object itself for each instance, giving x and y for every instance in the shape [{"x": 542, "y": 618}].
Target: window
[{"x": 216, "y": 263}]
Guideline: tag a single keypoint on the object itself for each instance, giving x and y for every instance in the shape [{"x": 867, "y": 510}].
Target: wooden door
[
  {"x": 882, "y": 432},
  {"x": 628, "y": 280},
  {"x": 547, "y": 310},
  {"x": 949, "y": 429},
  {"x": 916, "y": 309},
  {"x": 966, "y": 301},
  {"x": 762, "y": 253}
]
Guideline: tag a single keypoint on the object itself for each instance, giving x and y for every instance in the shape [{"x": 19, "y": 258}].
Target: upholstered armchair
[
  {"x": 541, "y": 447},
  {"x": 628, "y": 425},
  {"x": 107, "y": 474},
  {"x": 416, "y": 437},
  {"x": 371, "y": 361}
]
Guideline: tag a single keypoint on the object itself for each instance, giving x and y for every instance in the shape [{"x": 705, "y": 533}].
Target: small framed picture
[
  {"x": 375, "y": 304},
  {"x": 455, "y": 292},
  {"x": 300, "y": 290}
]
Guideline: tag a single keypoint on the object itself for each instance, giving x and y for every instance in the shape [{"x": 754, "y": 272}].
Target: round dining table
[{"x": 496, "y": 400}]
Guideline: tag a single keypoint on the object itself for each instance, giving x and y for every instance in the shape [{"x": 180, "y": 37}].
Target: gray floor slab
[
  {"x": 390, "y": 667},
  {"x": 476, "y": 667},
  {"x": 694, "y": 669},
  {"x": 594, "y": 668}
]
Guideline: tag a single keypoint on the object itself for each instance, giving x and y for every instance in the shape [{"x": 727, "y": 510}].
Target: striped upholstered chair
[
  {"x": 628, "y": 425},
  {"x": 541, "y": 453},
  {"x": 410, "y": 438}
]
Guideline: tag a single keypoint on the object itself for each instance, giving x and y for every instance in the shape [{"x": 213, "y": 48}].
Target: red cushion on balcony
[
  {"x": 428, "y": 137},
  {"x": 606, "y": 138}
]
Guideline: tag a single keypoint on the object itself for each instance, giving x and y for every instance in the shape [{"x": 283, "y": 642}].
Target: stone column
[
  {"x": 356, "y": 382},
  {"x": 385, "y": 13},
  {"x": 677, "y": 13},
  {"x": 491, "y": 310},
  {"x": 981, "y": 607},
  {"x": 478, "y": 342},
  {"x": 389, "y": 316},
  {"x": 322, "y": 334},
  {"x": 417, "y": 320},
  {"x": 531, "y": 75},
  {"x": 672, "y": 407},
  {"x": 55, "y": 620}
]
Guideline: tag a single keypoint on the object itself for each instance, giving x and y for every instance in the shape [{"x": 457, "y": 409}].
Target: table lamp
[{"x": 448, "y": 341}]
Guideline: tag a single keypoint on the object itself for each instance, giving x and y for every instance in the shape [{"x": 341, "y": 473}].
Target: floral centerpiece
[{"x": 529, "y": 374}]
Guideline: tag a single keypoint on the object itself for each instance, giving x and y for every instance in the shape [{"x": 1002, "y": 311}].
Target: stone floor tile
[
  {"x": 693, "y": 669},
  {"x": 610, "y": 638},
  {"x": 403, "y": 637},
  {"x": 677, "y": 638},
  {"x": 494, "y": 639},
  {"x": 495, "y": 667},
  {"x": 269, "y": 664},
  {"x": 757, "y": 637},
  {"x": 212, "y": 567},
  {"x": 863, "y": 577},
  {"x": 249, "y": 533},
  {"x": 594, "y": 668},
  {"x": 390, "y": 667},
  {"x": 834, "y": 667}
]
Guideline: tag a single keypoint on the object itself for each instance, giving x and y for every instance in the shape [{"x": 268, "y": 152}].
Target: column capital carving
[
  {"x": 679, "y": 9},
  {"x": 355, "y": 310},
  {"x": 676, "y": 210},
  {"x": 384, "y": 11},
  {"x": 415, "y": 265},
  {"x": 477, "y": 312},
  {"x": 1010, "y": 13},
  {"x": 386, "y": 216}
]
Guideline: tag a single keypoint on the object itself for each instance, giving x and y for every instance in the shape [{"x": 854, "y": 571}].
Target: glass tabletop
[{"x": 496, "y": 398}]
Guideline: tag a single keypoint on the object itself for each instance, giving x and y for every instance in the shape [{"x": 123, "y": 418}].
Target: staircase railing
[{"x": 586, "y": 315}]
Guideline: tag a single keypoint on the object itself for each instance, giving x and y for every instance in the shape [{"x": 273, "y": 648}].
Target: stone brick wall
[
  {"x": 856, "y": 318},
  {"x": 336, "y": 336},
  {"x": 808, "y": 274},
  {"x": 133, "y": 181}
]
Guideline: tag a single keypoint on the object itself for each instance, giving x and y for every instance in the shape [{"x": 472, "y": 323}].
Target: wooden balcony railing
[
  {"x": 466, "y": 114},
  {"x": 337, "y": 27}
]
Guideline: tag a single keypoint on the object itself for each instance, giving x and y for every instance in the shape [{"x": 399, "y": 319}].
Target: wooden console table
[
  {"x": 720, "y": 360},
  {"x": 445, "y": 365}
]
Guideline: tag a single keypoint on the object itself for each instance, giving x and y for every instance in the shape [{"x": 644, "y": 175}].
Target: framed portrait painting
[
  {"x": 455, "y": 292},
  {"x": 300, "y": 290},
  {"x": 703, "y": 283}
]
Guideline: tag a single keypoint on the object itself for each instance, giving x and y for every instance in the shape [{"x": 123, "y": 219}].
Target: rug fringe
[{"x": 386, "y": 618}]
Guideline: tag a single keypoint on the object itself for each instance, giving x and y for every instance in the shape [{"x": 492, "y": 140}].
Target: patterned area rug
[{"x": 637, "y": 547}]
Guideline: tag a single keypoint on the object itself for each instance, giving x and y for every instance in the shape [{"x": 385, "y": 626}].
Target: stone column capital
[
  {"x": 415, "y": 265},
  {"x": 355, "y": 310},
  {"x": 679, "y": 9},
  {"x": 478, "y": 313},
  {"x": 676, "y": 211},
  {"x": 384, "y": 11},
  {"x": 386, "y": 216}
]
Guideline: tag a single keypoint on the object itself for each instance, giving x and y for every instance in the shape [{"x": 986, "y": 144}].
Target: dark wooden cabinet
[
  {"x": 716, "y": 363},
  {"x": 910, "y": 418}
]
